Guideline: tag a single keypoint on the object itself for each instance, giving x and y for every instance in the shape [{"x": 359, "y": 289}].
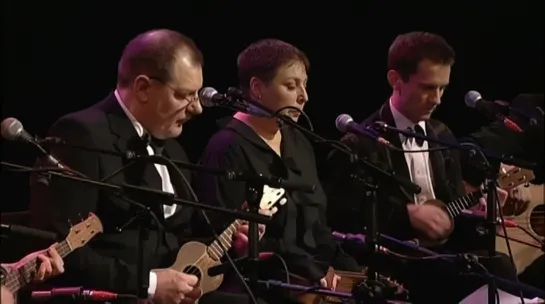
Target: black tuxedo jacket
[
  {"x": 109, "y": 261},
  {"x": 346, "y": 211}
]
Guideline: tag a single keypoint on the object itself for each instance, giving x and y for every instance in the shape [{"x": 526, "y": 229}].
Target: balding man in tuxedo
[{"x": 159, "y": 75}]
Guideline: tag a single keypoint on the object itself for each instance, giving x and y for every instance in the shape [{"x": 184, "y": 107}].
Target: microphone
[
  {"x": 78, "y": 293},
  {"x": 233, "y": 100},
  {"x": 495, "y": 109},
  {"x": 12, "y": 129},
  {"x": 344, "y": 123},
  {"x": 29, "y": 232}
]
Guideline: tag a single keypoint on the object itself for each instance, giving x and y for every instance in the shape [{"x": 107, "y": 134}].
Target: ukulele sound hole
[
  {"x": 193, "y": 270},
  {"x": 537, "y": 220}
]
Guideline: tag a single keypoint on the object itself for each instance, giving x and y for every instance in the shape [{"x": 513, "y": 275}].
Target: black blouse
[{"x": 298, "y": 231}]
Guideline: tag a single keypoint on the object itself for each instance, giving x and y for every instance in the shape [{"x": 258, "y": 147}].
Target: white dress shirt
[
  {"x": 418, "y": 163},
  {"x": 165, "y": 182}
]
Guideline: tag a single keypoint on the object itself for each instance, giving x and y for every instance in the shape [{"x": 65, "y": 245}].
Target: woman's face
[{"x": 287, "y": 88}]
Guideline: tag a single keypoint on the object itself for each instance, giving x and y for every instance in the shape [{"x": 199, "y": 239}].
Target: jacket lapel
[
  {"x": 396, "y": 159},
  {"x": 437, "y": 161},
  {"x": 126, "y": 139}
]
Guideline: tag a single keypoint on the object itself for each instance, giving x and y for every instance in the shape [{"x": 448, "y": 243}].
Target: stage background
[{"x": 62, "y": 56}]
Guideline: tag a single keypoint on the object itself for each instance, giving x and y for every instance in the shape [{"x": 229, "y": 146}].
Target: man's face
[
  {"x": 288, "y": 88},
  {"x": 167, "y": 106},
  {"x": 420, "y": 95}
]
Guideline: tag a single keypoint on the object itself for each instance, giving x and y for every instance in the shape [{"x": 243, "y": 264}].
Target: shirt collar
[
  {"x": 137, "y": 126},
  {"x": 403, "y": 122}
]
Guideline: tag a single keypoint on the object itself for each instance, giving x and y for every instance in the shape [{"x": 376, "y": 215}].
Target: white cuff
[{"x": 152, "y": 284}]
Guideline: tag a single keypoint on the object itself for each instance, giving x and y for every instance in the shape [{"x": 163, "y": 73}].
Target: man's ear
[
  {"x": 394, "y": 79},
  {"x": 141, "y": 85}
]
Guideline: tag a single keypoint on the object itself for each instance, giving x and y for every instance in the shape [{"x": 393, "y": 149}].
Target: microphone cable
[{"x": 310, "y": 126}]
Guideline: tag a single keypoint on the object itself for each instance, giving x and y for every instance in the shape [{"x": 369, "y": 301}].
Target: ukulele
[
  {"x": 528, "y": 215},
  {"x": 78, "y": 236},
  {"x": 196, "y": 258},
  {"x": 349, "y": 279},
  {"x": 505, "y": 181}
]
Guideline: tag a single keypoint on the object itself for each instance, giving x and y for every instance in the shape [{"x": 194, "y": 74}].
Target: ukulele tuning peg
[{"x": 70, "y": 223}]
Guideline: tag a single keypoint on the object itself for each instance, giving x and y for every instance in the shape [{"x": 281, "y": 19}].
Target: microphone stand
[
  {"x": 491, "y": 222},
  {"x": 253, "y": 194},
  {"x": 142, "y": 218},
  {"x": 9, "y": 230},
  {"x": 232, "y": 175},
  {"x": 371, "y": 183},
  {"x": 490, "y": 187}
]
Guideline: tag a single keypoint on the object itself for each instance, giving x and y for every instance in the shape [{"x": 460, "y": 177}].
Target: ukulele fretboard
[
  {"x": 216, "y": 249},
  {"x": 456, "y": 207},
  {"x": 17, "y": 279}
]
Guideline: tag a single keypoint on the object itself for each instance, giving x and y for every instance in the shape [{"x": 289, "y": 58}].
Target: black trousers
[{"x": 534, "y": 274}]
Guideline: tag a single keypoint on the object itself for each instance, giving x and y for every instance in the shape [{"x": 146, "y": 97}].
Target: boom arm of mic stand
[
  {"x": 167, "y": 198},
  {"x": 272, "y": 181},
  {"x": 506, "y": 159}
]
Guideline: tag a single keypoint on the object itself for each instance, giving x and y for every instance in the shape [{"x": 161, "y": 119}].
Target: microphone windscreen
[
  {"x": 206, "y": 96},
  {"x": 471, "y": 98},
  {"x": 11, "y": 128},
  {"x": 342, "y": 122}
]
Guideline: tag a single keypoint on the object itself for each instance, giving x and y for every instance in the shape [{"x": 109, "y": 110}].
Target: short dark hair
[
  {"x": 263, "y": 58},
  {"x": 153, "y": 53},
  {"x": 409, "y": 49}
]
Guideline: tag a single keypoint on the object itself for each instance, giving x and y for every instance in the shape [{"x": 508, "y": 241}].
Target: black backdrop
[{"x": 60, "y": 56}]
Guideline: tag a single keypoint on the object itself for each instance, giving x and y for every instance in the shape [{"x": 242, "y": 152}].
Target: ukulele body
[{"x": 193, "y": 258}]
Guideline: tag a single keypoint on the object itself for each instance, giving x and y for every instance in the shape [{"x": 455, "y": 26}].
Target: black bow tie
[
  {"x": 158, "y": 145},
  {"x": 418, "y": 130}
]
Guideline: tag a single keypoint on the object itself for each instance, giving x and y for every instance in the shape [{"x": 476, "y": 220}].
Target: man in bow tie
[
  {"x": 419, "y": 66},
  {"x": 159, "y": 76}
]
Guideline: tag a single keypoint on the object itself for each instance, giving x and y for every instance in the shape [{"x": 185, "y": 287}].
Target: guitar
[
  {"x": 349, "y": 279},
  {"x": 505, "y": 181},
  {"x": 196, "y": 258},
  {"x": 527, "y": 214},
  {"x": 78, "y": 236}
]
